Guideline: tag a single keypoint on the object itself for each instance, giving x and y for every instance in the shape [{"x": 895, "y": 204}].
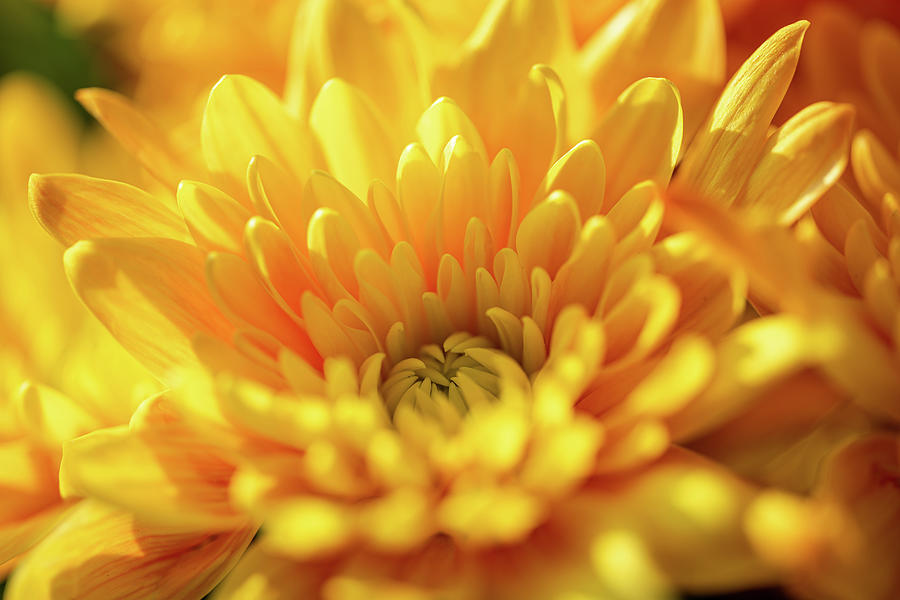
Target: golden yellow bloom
[
  {"x": 61, "y": 374},
  {"x": 457, "y": 362}
]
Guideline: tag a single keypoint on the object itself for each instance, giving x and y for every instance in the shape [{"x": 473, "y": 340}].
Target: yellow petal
[
  {"x": 640, "y": 136},
  {"x": 277, "y": 264},
  {"x": 308, "y": 527},
  {"x": 581, "y": 172},
  {"x": 164, "y": 475},
  {"x": 442, "y": 121},
  {"x": 100, "y": 553},
  {"x": 837, "y": 211},
  {"x": 548, "y": 233},
  {"x": 150, "y": 294},
  {"x": 244, "y": 118},
  {"x": 355, "y": 138},
  {"x": 340, "y": 38},
  {"x": 51, "y": 416},
  {"x": 712, "y": 291},
  {"x": 19, "y": 536},
  {"x": 800, "y": 161},
  {"x": 332, "y": 250},
  {"x": 276, "y": 195},
  {"x": 140, "y": 136},
  {"x": 722, "y": 154},
  {"x": 76, "y": 207},
  {"x": 267, "y": 575},
  {"x": 215, "y": 219},
  {"x": 683, "y": 41},
  {"x": 689, "y": 511}
]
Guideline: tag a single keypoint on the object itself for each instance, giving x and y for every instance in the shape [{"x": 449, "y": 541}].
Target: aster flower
[
  {"x": 53, "y": 360},
  {"x": 482, "y": 356}
]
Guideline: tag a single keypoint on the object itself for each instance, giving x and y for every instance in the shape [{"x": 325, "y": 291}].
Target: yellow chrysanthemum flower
[
  {"x": 431, "y": 369},
  {"x": 61, "y": 374}
]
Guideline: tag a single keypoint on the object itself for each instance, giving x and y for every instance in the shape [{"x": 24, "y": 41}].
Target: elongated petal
[
  {"x": 139, "y": 135},
  {"x": 582, "y": 173},
  {"x": 164, "y": 475},
  {"x": 548, "y": 233},
  {"x": 244, "y": 118},
  {"x": 726, "y": 147},
  {"x": 151, "y": 295},
  {"x": 215, "y": 219},
  {"x": 800, "y": 162},
  {"x": 100, "y": 553},
  {"x": 339, "y": 38},
  {"x": 640, "y": 136},
  {"x": 77, "y": 207},
  {"x": 357, "y": 143}
]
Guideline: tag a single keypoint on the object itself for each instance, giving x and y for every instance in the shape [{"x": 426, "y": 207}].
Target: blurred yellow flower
[
  {"x": 61, "y": 374},
  {"x": 456, "y": 361}
]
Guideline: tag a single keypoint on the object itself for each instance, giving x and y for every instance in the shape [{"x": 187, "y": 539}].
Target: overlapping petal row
[{"x": 456, "y": 347}]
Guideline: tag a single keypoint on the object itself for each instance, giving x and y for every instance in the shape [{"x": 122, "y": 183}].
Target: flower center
[{"x": 444, "y": 382}]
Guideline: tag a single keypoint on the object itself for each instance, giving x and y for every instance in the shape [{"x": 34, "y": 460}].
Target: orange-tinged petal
[
  {"x": 19, "y": 536},
  {"x": 800, "y": 161},
  {"x": 875, "y": 169},
  {"x": 640, "y": 136},
  {"x": 139, "y": 135},
  {"x": 463, "y": 193},
  {"x": 240, "y": 294},
  {"x": 712, "y": 291},
  {"x": 215, "y": 219},
  {"x": 244, "y": 118},
  {"x": 276, "y": 264},
  {"x": 684, "y": 372},
  {"x": 77, "y": 207},
  {"x": 355, "y": 138},
  {"x": 165, "y": 477},
  {"x": 839, "y": 210},
  {"x": 100, "y": 552},
  {"x": 722, "y": 154},
  {"x": 880, "y": 56},
  {"x": 333, "y": 246},
  {"x": 150, "y": 293},
  {"x": 276, "y": 195}
]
